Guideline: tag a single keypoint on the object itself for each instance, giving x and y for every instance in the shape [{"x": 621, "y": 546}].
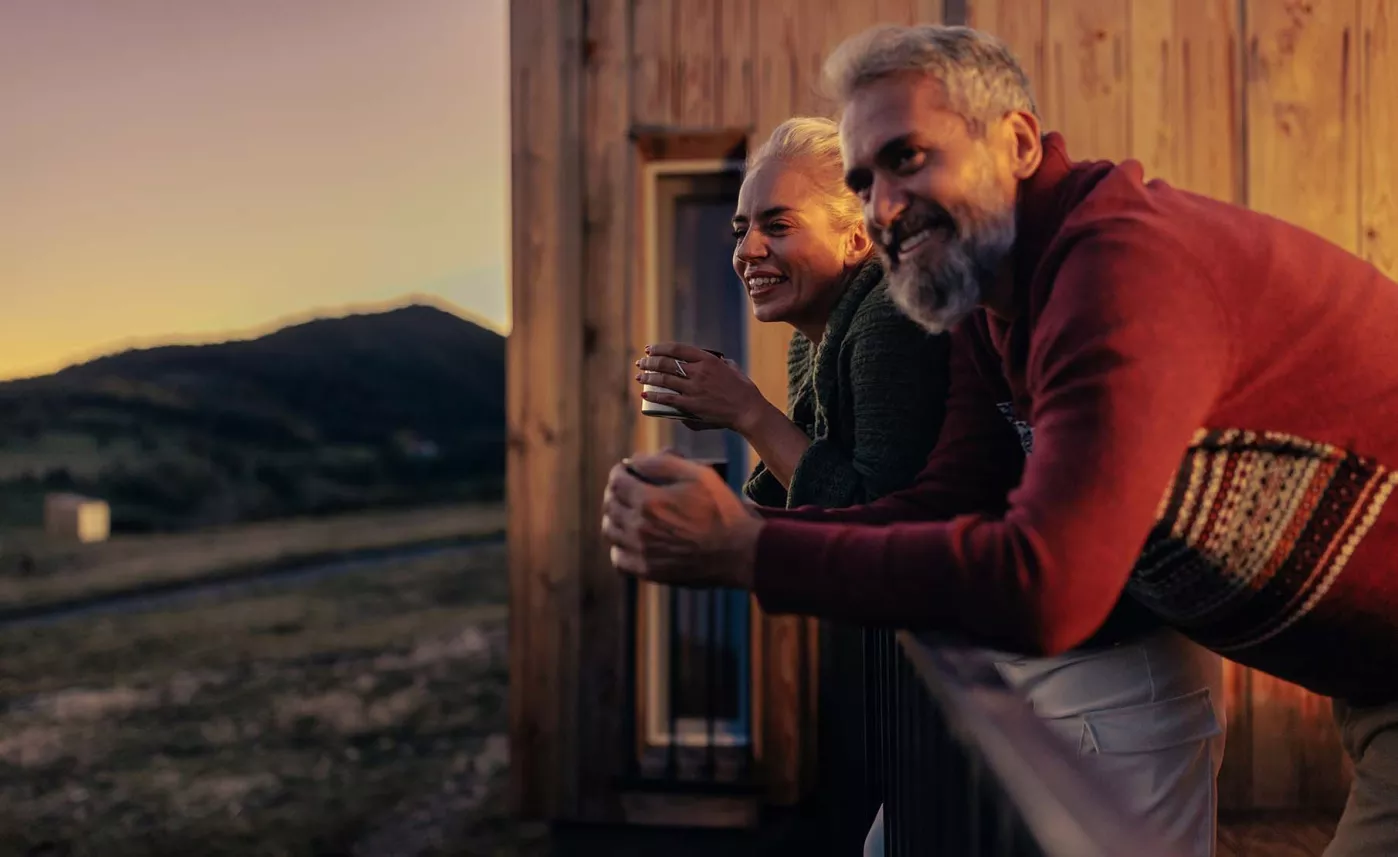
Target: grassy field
[
  {"x": 360, "y": 715},
  {"x": 34, "y": 570}
]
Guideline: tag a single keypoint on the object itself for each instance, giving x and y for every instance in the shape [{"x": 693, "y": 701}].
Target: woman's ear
[{"x": 858, "y": 246}]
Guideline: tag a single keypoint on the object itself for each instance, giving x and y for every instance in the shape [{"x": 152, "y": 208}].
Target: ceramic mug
[{"x": 667, "y": 412}]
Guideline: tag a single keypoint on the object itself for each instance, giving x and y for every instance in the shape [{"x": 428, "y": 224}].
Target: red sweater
[{"x": 1213, "y": 397}]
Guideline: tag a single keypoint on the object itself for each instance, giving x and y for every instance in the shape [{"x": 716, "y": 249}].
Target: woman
[
  {"x": 866, "y": 387},
  {"x": 866, "y": 393}
]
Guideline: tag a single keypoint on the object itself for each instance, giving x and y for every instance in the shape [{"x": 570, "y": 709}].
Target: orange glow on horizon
[{"x": 185, "y": 173}]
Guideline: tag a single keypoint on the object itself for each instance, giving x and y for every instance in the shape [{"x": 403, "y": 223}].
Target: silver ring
[{"x": 679, "y": 368}]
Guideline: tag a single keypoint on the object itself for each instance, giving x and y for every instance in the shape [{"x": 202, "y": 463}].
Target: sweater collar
[
  {"x": 1044, "y": 203},
  {"x": 861, "y": 281}
]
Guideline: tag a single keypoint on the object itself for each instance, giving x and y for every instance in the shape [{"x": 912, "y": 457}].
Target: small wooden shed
[
  {"x": 629, "y": 120},
  {"x": 72, "y": 517}
]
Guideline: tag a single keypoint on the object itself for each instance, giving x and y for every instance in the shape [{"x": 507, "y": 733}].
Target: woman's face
[{"x": 789, "y": 254}]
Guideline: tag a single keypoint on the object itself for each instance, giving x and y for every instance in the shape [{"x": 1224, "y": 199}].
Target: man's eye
[
  {"x": 908, "y": 160},
  {"x": 738, "y": 233}
]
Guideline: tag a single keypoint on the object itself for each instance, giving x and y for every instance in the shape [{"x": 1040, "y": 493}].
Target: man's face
[{"x": 938, "y": 201}]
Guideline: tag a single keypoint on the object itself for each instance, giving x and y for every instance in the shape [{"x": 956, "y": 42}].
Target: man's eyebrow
[
  {"x": 887, "y": 150},
  {"x": 858, "y": 177}
]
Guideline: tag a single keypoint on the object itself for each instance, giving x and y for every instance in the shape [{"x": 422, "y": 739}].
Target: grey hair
[
  {"x": 982, "y": 78},
  {"x": 812, "y": 144}
]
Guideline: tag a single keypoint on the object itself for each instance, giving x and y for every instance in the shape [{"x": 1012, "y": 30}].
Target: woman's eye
[{"x": 778, "y": 228}]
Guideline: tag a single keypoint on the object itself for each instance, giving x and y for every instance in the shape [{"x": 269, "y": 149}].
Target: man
[{"x": 1213, "y": 396}]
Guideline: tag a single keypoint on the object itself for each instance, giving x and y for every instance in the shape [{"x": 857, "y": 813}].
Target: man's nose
[{"x": 886, "y": 203}]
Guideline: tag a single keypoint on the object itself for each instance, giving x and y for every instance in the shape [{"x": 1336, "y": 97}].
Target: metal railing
[{"x": 969, "y": 770}]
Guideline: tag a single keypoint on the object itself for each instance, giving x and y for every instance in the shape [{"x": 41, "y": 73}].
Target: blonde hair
[
  {"x": 982, "y": 79},
  {"x": 812, "y": 144}
]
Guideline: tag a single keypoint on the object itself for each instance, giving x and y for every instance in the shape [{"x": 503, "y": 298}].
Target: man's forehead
[{"x": 890, "y": 109}]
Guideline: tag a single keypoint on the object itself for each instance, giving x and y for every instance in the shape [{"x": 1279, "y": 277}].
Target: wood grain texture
[
  {"x": 694, "y": 65},
  {"x": 1296, "y": 756},
  {"x": 1378, "y": 119},
  {"x": 1186, "y": 96},
  {"x": 1235, "y": 773},
  {"x": 1302, "y": 166},
  {"x": 653, "y": 55},
  {"x": 1020, "y": 25},
  {"x": 543, "y": 410},
  {"x": 1087, "y": 79},
  {"x": 734, "y": 90},
  {"x": 1302, "y": 116},
  {"x": 1274, "y": 835},
  {"x": 608, "y": 391}
]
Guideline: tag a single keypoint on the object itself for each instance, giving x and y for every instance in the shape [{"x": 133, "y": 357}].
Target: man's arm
[{"x": 1126, "y": 362}]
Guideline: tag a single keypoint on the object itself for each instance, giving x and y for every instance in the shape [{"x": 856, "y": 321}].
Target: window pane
[{"x": 698, "y": 640}]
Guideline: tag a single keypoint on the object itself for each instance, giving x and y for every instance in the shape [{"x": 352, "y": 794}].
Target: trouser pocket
[
  {"x": 1161, "y": 759},
  {"x": 1152, "y": 726}
]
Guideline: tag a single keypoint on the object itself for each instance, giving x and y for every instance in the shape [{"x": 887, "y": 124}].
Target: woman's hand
[{"x": 711, "y": 388}]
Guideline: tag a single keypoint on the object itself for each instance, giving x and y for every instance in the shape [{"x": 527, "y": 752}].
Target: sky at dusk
[{"x": 186, "y": 170}]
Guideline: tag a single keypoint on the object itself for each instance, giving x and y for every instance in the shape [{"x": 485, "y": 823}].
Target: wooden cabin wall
[
  {"x": 598, "y": 88},
  {"x": 1285, "y": 106}
]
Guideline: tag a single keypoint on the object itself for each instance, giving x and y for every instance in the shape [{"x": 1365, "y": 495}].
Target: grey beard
[{"x": 938, "y": 297}]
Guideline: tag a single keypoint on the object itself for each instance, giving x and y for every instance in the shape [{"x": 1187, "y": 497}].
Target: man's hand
[{"x": 676, "y": 522}]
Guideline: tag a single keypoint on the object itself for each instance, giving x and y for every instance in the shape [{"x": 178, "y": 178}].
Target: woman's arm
[
  {"x": 719, "y": 395},
  {"x": 778, "y": 441}
]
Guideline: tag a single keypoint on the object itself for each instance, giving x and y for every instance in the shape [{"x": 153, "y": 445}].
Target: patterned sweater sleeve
[{"x": 898, "y": 378}]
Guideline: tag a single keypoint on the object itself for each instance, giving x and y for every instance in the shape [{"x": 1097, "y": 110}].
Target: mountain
[{"x": 394, "y": 407}]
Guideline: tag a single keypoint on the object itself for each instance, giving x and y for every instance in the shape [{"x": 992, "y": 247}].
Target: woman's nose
[{"x": 752, "y": 247}]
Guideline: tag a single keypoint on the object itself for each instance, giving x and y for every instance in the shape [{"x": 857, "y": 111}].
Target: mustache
[{"x": 928, "y": 216}]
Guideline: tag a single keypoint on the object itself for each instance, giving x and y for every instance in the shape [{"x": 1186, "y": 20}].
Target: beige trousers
[{"x": 1149, "y": 715}]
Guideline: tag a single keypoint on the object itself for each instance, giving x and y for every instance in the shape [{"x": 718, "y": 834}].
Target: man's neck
[{"x": 998, "y": 296}]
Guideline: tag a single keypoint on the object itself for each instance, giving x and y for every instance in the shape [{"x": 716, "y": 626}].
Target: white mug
[{"x": 668, "y": 412}]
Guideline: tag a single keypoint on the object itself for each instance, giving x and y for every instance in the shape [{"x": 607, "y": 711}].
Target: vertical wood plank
[
  {"x": 895, "y": 12},
  {"x": 1378, "y": 182},
  {"x": 609, "y": 416},
  {"x": 1087, "y": 78},
  {"x": 652, "y": 62},
  {"x": 1020, "y": 25},
  {"x": 1185, "y": 94},
  {"x": 930, "y": 12},
  {"x": 1302, "y": 166},
  {"x": 736, "y": 36},
  {"x": 1235, "y": 774},
  {"x": 1297, "y": 762},
  {"x": 694, "y": 68},
  {"x": 1303, "y": 105},
  {"x": 777, "y": 77},
  {"x": 543, "y": 410}
]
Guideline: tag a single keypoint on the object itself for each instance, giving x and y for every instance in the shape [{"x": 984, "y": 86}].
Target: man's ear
[{"x": 1026, "y": 149}]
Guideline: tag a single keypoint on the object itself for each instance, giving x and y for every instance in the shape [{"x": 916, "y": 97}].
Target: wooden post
[{"x": 543, "y": 406}]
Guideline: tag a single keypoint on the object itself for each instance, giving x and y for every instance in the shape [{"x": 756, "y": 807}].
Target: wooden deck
[{"x": 1274, "y": 835}]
